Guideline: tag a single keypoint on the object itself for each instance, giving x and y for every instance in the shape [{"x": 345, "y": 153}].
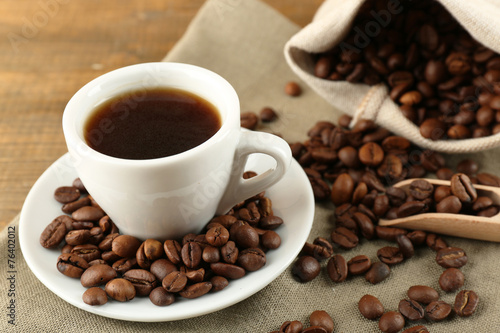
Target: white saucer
[{"x": 292, "y": 199}]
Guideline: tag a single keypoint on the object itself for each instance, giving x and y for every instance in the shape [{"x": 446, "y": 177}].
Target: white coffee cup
[{"x": 167, "y": 197}]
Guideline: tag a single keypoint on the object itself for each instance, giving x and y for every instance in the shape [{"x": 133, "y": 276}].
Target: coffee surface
[{"x": 151, "y": 124}]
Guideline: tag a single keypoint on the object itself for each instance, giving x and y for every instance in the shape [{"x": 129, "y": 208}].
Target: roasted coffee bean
[
  {"x": 321, "y": 249},
  {"x": 190, "y": 237},
  {"x": 416, "y": 329},
  {"x": 482, "y": 203},
  {"x": 370, "y": 307},
  {"x": 451, "y": 279},
  {"x": 451, "y": 257},
  {"x": 391, "y": 322},
  {"x": 451, "y": 205},
  {"x": 228, "y": 271},
  {"x": 381, "y": 205},
  {"x": 417, "y": 237},
  {"x": 267, "y": 114},
  {"x": 54, "y": 233},
  {"x": 67, "y": 249},
  {"x": 431, "y": 160},
  {"x": 390, "y": 255},
  {"x": 77, "y": 182},
  {"x": 95, "y": 296},
  {"x": 70, "y": 207},
  {"x": 105, "y": 244},
  {"x": 412, "y": 208},
  {"x": 421, "y": 189},
  {"x": 194, "y": 275},
  {"x": 294, "y": 326},
  {"x": 441, "y": 192},
  {"x": 77, "y": 225},
  {"x": 377, "y": 273},
  {"x": 97, "y": 275},
  {"x": 125, "y": 246},
  {"x": 174, "y": 282},
  {"x": 359, "y": 265},
  {"x": 124, "y": 264},
  {"x": 172, "y": 249},
  {"x": 196, "y": 290},
  {"x": 306, "y": 268},
  {"x": 373, "y": 182},
  {"x": 365, "y": 225},
  {"x": 488, "y": 179},
  {"x": 371, "y": 154},
  {"x": 149, "y": 251},
  {"x": 445, "y": 173},
  {"x": 359, "y": 193},
  {"x": 489, "y": 212},
  {"x": 142, "y": 280},
  {"x": 160, "y": 297},
  {"x": 225, "y": 220},
  {"x": 77, "y": 237},
  {"x": 389, "y": 233},
  {"x": 462, "y": 187},
  {"x": 218, "y": 283},
  {"x": 71, "y": 265},
  {"x": 293, "y": 89},
  {"x": 405, "y": 246},
  {"x": 435, "y": 242},
  {"x": 466, "y": 303},
  {"x": 210, "y": 254},
  {"x": 411, "y": 309},
  {"x": 88, "y": 252},
  {"x": 88, "y": 213},
  {"x": 96, "y": 235},
  {"x": 423, "y": 294},
  {"x": 344, "y": 238},
  {"x": 271, "y": 240},
  {"x": 66, "y": 194},
  {"x": 337, "y": 268},
  {"x": 323, "y": 319},
  {"x": 433, "y": 129},
  {"x": 249, "y": 120},
  {"x": 217, "y": 236},
  {"x": 347, "y": 222},
  {"x": 342, "y": 189},
  {"x": 246, "y": 237},
  {"x": 110, "y": 257},
  {"x": 252, "y": 259},
  {"x": 191, "y": 254},
  {"x": 437, "y": 310},
  {"x": 120, "y": 289},
  {"x": 270, "y": 222},
  {"x": 229, "y": 252}
]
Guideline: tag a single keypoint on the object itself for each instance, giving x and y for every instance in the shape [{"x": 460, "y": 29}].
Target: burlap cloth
[{"x": 243, "y": 41}]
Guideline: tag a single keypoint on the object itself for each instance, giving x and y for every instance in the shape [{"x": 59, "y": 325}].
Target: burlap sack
[{"x": 333, "y": 22}]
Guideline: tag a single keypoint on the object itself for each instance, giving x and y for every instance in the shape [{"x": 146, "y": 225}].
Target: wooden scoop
[{"x": 467, "y": 226}]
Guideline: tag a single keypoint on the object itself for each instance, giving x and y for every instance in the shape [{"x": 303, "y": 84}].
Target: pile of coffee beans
[
  {"x": 319, "y": 322},
  {"x": 460, "y": 197},
  {"x": 356, "y": 169},
  {"x": 93, "y": 250},
  {"x": 422, "y": 302},
  {"x": 444, "y": 80}
]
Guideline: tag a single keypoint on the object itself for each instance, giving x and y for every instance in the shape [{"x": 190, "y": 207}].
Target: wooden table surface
[{"x": 51, "y": 48}]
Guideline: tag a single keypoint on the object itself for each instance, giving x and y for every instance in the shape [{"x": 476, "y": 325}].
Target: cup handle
[{"x": 240, "y": 189}]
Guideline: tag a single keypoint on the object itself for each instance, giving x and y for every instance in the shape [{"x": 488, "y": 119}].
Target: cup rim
[{"x": 74, "y": 140}]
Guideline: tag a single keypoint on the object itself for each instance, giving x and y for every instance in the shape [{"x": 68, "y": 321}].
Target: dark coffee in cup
[{"x": 152, "y": 123}]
